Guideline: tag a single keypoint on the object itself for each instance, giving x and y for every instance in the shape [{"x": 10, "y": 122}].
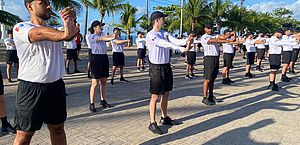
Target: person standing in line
[
  {"x": 41, "y": 94},
  {"x": 251, "y": 51},
  {"x": 118, "y": 55},
  {"x": 159, "y": 43},
  {"x": 267, "y": 46},
  {"x": 79, "y": 39},
  {"x": 261, "y": 48},
  {"x": 191, "y": 57},
  {"x": 88, "y": 68},
  {"x": 211, "y": 43},
  {"x": 295, "y": 55},
  {"x": 99, "y": 64},
  {"x": 141, "y": 51},
  {"x": 11, "y": 55},
  {"x": 71, "y": 55},
  {"x": 287, "y": 52},
  {"x": 6, "y": 126}
]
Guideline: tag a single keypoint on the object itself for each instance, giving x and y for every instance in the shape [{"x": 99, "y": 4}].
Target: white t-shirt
[
  {"x": 117, "y": 47},
  {"x": 97, "y": 47},
  {"x": 88, "y": 41},
  {"x": 260, "y": 46},
  {"x": 40, "y": 62},
  {"x": 287, "y": 39},
  {"x": 228, "y": 48},
  {"x": 250, "y": 45},
  {"x": 8, "y": 47},
  {"x": 297, "y": 45},
  {"x": 159, "y": 44},
  {"x": 209, "y": 49},
  {"x": 71, "y": 44},
  {"x": 140, "y": 43}
]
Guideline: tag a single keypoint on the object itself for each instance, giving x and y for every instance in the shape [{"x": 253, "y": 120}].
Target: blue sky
[{"x": 17, "y": 7}]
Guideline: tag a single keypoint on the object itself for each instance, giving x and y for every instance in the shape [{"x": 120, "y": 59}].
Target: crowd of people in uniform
[{"x": 36, "y": 52}]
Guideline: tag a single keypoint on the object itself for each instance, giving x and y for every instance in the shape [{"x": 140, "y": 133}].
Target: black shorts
[
  {"x": 161, "y": 78},
  {"x": 99, "y": 66},
  {"x": 90, "y": 54},
  {"x": 286, "y": 57},
  {"x": 141, "y": 53},
  {"x": 38, "y": 103},
  {"x": 275, "y": 61},
  {"x": 250, "y": 58},
  {"x": 78, "y": 47},
  {"x": 244, "y": 48},
  {"x": 211, "y": 67},
  {"x": 118, "y": 59},
  {"x": 261, "y": 53},
  {"x": 295, "y": 55},
  {"x": 267, "y": 48},
  {"x": 228, "y": 59},
  {"x": 72, "y": 54},
  {"x": 11, "y": 57},
  {"x": 1, "y": 84},
  {"x": 191, "y": 57}
]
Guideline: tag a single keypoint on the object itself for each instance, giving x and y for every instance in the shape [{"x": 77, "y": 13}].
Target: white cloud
[
  {"x": 271, "y": 5},
  {"x": 141, "y": 10},
  {"x": 16, "y": 7}
]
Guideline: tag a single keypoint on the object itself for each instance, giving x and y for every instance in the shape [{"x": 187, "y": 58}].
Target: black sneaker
[
  {"x": 285, "y": 79},
  {"x": 168, "y": 121},
  {"x": 154, "y": 128},
  {"x": 89, "y": 76},
  {"x": 8, "y": 129},
  {"x": 122, "y": 79},
  {"x": 112, "y": 81},
  {"x": 249, "y": 75},
  {"x": 212, "y": 99},
  {"x": 92, "y": 108},
  {"x": 193, "y": 76},
  {"x": 229, "y": 80},
  {"x": 188, "y": 77},
  {"x": 206, "y": 101},
  {"x": 104, "y": 104},
  {"x": 226, "y": 82},
  {"x": 273, "y": 87},
  {"x": 292, "y": 72},
  {"x": 77, "y": 71},
  {"x": 67, "y": 71},
  {"x": 9, "y": 80}
]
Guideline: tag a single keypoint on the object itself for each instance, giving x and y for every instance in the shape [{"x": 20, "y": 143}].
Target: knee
[
  {"x": 56, "y": 129},
  {"x": 23, "y": 137}
]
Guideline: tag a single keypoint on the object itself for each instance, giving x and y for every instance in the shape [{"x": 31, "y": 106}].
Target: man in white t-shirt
[
  {"x": 141, "y": 51},
  {"x": 72, "y": 54},
  {"x": 41, "y": 95},
  {"x": 261, "y": 48},
  {"x": 11, "y": 55}
]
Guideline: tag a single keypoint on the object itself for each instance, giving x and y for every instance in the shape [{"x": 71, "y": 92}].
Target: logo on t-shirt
[{"x": 153, "y": 38}]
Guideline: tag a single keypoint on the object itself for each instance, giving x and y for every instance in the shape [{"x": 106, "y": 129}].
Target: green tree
[
  {"x": 107, "y": 6},
  {"x": 218, "y": 9},
  {"x": 8, "y": 18},
  {"x": 86, "y": 4}
]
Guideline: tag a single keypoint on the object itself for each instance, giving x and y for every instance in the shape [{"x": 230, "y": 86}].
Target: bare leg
[
  {"x": 113, "y": 71},
  {"x": 205, "y": 87},
  {"x": 2, "y": 107},
  {"x": 94, "y": 86},
  {"x": 121, "y": 71},
  {"x": 103, "y": 88},
  {"x": 23, "y": 138},
  {"x": 17, "y": 68},
  {"x": 57, "y": 134},
  {"x": 152, "y": 107},
  {"x": 284, "y": 68},
  {"x": 8, "y": 70},
  {"x": 164, "y": 104}
]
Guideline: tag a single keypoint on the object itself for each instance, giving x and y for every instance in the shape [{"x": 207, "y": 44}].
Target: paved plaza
[{"x": 247, "y": 113}]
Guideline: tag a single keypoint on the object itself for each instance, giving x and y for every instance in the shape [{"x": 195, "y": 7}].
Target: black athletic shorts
[
  {"x": 250, "y": 58},
  {"x": 191, "y": 57},
  {"x": 90, "y": 54},
  {"x": 295, "y": 55},
  {"x": 1, "y": 84},
  {"x": 99, "y": 66},
  {"x": 38, "y": 103},
  {"x": 211, "y": 67},
  {"x": 118, "y": 59},
  {"x": 275, "y": 61},
  {"x": 267, "y": 48},
  {"x": 141, "y": 53},
  {"x": 11, "y": 57},
  {"x": 244, "y": 48},
  {"x": 261, "y": 53},
  {"x": 72, "y": 54},
  {"x": 228, "y": 59},
  {"x": 161, "y": 78},
  {"x": 286, "y": 57},
  {"x": 78, "y": 47}
]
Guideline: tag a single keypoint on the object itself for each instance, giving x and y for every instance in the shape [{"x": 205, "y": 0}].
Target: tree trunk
[
  {"x": 101, "y": 13},
  {"x": 128, "y": 37},
  {"x": 85, "y": 23},
  {"x": 193, "y": 25}
]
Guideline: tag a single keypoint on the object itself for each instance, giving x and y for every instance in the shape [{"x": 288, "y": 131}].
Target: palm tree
[
  {"x": 87, "y": 4},
  {"x": 107, "y": 6},
  {"x": 218, "y": 9},
  {"x": 128, "y": 18},
  {"x": 8, "y": 18},
  {"x": 59, "y": 4},
  {"x": 196, "y": 10}
]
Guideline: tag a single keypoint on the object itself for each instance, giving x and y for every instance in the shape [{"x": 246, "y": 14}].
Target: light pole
[
  {"x": 147, "y": 11},
  {"x": 3, "y": 34},
  {"x": 181, "y": 17}
]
